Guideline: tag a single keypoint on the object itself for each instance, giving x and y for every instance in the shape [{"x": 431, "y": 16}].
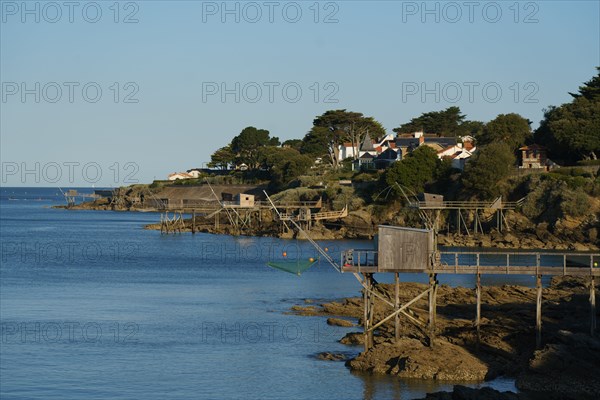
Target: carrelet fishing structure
[{"x": 399, "y": 250}]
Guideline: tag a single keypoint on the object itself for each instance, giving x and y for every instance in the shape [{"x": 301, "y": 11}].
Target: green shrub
[
  {"x": 550, "y": 198},
  {"x": 297, "y": 194},
  {"x": 572, "y": 171},
  {"x": 588, "y": 162},
  {"x": 574, "y": 182},
  {"x": 365, "y": 177},
  {"x": 156, "y": 184},
  {"x": 576, "y": 203}
]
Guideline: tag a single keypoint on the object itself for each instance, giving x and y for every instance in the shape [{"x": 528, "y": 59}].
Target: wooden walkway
[
  {"x": 315, "y": 216},
  {"x": 365, "y": 262},
  {"x": 200, "y": 206},
  {"x": 473, "y": 262},
  {"x": 497, "y": 204},
  {"x": 482, "y": 212}
]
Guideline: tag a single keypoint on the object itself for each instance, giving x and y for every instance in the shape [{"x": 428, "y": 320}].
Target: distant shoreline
[{"x": 497, "y": 240}]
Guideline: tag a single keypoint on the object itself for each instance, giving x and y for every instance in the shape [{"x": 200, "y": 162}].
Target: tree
[
  {"x": 570, "y": 131},
  {"x": 293, "y": 143},
  {"x": 590, "y": 89},
  {"x": 511, "y": 129},
  {"x": 414, "y": 171},
  {"x": 283, "y": 164},
  {"x": 447, "y": 122},
  {"x": 333, "y": 128},
  {"x": 246, "y": 145},
  {"x": 487, "y": 167},
  {"x": 472, "y": 128},
  {"x": 222, "y": 158},
  {"x": 318, "y": 143}
]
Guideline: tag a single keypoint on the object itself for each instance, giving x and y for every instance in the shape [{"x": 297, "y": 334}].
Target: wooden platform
[
  {"x": 538, "y": 264},
  {"x": 466, "y": 205},
  {"x": 499, "y": 263}
]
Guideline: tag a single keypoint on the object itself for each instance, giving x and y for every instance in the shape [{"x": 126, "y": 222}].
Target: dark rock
[
  {"x": 409, "y": 358},
  {"x": 465, "y": 393},
  {"x": 326, "y": 356},
  {"x": 541, "y": 231},
  {"x": 339, "y": 322},
  {"x": 353, "y": 338},
  {"x": 568, "y": 368}
]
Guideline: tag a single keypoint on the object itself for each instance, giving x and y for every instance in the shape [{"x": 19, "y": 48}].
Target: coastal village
[
  {"x": 471, "y": 184},
  {"x": 378, "y": 154},
  {"x": 348, "y": 175},
  {"x": 305, "y": 200}
]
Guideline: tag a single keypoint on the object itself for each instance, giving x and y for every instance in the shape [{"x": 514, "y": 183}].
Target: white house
[
  {"x": 346, "y": 150},
  {"x": 190, "y": 174},
  {"x": 180, "y": 175},
  {"x": 459, "y": 152},
  {"x": 368, "y": 145}
]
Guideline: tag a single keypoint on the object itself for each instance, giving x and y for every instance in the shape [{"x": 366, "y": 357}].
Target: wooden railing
[
  {"x": 505, "y": 205},
  {"x": 511, "y": 263},
  {"x": 314, "y": 216},
  {"x": 330, "y": 214}
]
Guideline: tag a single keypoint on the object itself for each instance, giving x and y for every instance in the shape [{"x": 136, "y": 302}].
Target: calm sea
[{"x": 93, "y": 306}]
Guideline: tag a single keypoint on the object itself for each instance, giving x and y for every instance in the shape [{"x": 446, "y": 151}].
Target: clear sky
[{"x": 179, "y": 79}]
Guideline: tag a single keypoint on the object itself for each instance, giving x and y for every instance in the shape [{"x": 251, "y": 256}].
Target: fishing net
[{"x": 293, "y": 267}]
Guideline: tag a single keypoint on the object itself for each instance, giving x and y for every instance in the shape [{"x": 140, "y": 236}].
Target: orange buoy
[
  {"x": 311, "y": 259},
  {"x": 326, "y": 249},
  {"x": 285, "y": 254}
]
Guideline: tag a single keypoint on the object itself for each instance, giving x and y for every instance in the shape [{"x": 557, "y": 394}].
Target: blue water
[{"x": 94, "y": 306}]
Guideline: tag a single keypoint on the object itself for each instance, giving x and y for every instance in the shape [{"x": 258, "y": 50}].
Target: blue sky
[{"x": 162, "y": 67}]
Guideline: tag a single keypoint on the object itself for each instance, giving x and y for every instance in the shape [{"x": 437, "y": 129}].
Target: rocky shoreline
[
  {"x": 501, "y": 240},
  {"x": 565, "y": 234},
  {"x": 566, "y": 367}
]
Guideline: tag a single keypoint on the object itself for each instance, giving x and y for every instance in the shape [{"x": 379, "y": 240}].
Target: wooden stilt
[
  {"x": 432, "y": 307},
  {"x": 366, "y": 325},
  {"x": 464, "y": 221},
  {"x": 593, "y": 306},
  {"x": 505, "y": 221},
  {"x": 538, "y": 312},
  {"x": 371, "y": 311},
  {"x": 478, "y": 313},
  {"x": 435, "y": 289},
  {"x": 193, "y": 221},
  {"x": 397, "y": 306}
]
